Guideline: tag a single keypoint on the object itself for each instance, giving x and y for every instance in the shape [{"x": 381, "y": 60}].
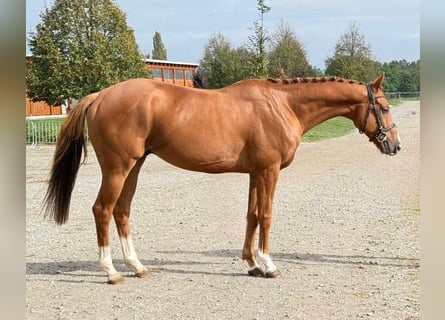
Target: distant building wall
[
  {"x": 179, "y": 73},
  {"x": 41, "y": 108}
]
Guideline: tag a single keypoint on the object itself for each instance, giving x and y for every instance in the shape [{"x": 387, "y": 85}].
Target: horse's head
[{"x": 374, "y": 119}]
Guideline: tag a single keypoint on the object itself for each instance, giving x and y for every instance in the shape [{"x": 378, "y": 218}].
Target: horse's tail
[{"x": 66, "y": 162}]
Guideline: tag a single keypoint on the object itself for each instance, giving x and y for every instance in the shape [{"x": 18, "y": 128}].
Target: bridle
[{"x": 380, "y": 134}]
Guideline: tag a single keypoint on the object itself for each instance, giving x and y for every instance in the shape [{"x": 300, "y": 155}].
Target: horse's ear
[{"x": 377, "y": 83}]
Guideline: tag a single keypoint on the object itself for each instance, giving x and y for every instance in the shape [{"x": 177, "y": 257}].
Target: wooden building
[
  {"x": 179, "y": 73},
  {"x": 41, "y": 108}
]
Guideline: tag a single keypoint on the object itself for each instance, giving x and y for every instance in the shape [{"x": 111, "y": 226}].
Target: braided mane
[{"x": 313, "y": 80}]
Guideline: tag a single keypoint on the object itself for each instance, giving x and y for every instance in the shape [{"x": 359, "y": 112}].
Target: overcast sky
[{"x": 392, "y": 28}]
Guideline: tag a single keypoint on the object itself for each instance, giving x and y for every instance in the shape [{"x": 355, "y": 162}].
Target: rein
[{"x": 380, "y": 134}]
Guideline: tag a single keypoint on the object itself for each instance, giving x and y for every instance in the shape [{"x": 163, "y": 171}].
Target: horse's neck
[
  {"x": 313, "y": 113},
  {"x": 316, "y": 103}
]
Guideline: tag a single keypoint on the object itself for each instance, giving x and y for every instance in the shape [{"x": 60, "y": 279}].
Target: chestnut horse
[{"x": 253, "y": 126}]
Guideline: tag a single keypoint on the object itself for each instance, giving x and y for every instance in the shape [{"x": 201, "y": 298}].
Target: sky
[{"x": 392, "y": 28}]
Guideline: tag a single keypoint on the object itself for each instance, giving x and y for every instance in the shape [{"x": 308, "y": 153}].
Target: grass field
[{"x": 337, "y": 127}]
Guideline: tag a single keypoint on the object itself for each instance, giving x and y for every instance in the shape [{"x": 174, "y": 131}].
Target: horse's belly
[{"x": 201, "y": 160}]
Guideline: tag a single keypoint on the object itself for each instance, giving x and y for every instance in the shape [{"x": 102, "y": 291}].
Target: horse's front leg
[
  {"x": 266, "y": 183},
  {"x": 261, "y": 191},
  {"x": 251, "y": 226},
  {"x": 121, "y": 217}
]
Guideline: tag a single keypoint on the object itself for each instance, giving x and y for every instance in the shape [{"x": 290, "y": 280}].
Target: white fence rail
[
  {"x": 403, "y": 95},
  {"x": 43, "y": 129}
]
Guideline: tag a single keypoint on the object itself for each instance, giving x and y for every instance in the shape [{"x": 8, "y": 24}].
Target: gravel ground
[{"x": 345, "y": 235}]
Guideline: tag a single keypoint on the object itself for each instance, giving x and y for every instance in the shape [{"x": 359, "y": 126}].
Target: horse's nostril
[{"x": 398, "y": 148}]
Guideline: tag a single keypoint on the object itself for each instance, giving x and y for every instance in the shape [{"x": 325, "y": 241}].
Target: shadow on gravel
[
  {"x": 179, "y": 266},
  {"x": 91, "y": 268},
  {"x": 56, "y": 268},
  {"x": 359, "y": 260},
  {"x": 371, "y": 260}
]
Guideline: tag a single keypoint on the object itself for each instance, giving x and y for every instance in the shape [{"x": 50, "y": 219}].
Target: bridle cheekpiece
[{"x": 380, "y": 134}]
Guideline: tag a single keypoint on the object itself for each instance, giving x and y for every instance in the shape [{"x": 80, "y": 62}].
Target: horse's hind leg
[
  {"x": 122, "y": 215},
  {"x": 113, "y": 178}
]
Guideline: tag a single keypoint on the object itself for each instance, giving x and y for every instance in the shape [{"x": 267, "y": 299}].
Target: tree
[
  {"x": 80, "y": 47},
  {"x": 257, "y": 43},
  {"x": 221, "y": 63},
  {"x": 401, "y": 76},
  {"x": 353, "y": 57},
  {"x": 411, "y": 77},
  {"x": 393, "y": 74},
  {"x": 247, "y": 62},
  {"x": 287, "y": 56},
  {"x": 159, "y": 52}
]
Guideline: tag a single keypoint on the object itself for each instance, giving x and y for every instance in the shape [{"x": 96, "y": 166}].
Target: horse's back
[
  {"x": 200, "y": 130},
  {"x": 138, "y": 116}
]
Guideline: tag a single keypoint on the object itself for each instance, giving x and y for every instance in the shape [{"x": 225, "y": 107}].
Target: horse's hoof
[
  {"x": 256, "y": 272},
  {"x": 143, "y": 273},
  {"x": 273, "y": 274},
  {"x": 115, "y": 279}
]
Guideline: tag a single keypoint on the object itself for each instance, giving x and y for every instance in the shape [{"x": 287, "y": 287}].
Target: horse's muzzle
[{"x": 388, "y": 147}]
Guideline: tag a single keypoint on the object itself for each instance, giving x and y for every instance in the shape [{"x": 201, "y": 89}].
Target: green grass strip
[{"x": 339, "y": 126}]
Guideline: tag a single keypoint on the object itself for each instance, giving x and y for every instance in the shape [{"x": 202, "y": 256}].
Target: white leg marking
[
  {"x": 105, "y": 260},
  {"x": 130, "y": 257},
  {"x": 255, "y": 265},
  {"x": 265, "y": 258}
]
